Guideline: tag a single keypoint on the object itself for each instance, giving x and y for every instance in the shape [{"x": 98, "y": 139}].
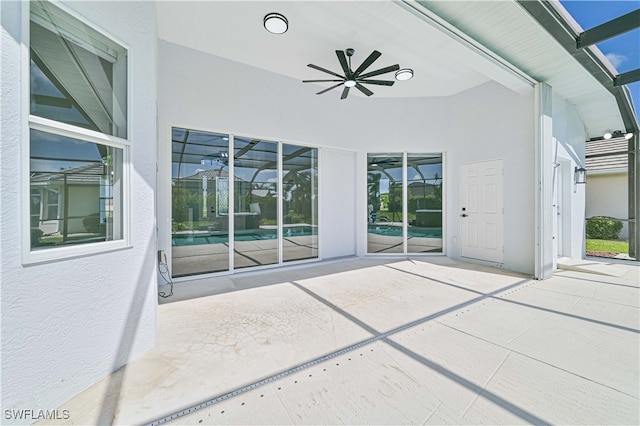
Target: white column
[{"x": 543, "y": 258}]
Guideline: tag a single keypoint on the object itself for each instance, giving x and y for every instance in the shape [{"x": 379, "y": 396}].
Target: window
[
  {"x": 78, "y": 130},
  {"x": 404, "y": 203}
]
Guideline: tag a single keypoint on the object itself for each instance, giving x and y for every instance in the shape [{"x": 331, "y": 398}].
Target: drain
[
  {"x": 327, "y": 357},
  {"x": 252, "y": 386}
]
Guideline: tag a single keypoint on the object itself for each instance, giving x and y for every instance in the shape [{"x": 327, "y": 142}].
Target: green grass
[{"x": 608, "y": 246}]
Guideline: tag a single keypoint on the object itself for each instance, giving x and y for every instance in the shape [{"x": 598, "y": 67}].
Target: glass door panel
[
  {"x": 256, "y": 202},
  {"x": 424, "y": 193},
  {"x": 300, "y": 202},
  {"x": 385, "y": 203},
  {"x": 200, "y": 200}
]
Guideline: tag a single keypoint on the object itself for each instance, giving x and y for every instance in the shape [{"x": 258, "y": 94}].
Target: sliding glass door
[
  {"x": 385, "y": 202},
  {"x": 424, "y": 203},
  {"x": 255, "y": 198},
  {"x": 200, "y": 202},
  {"x": 299, "y": 202},
  {"x": 266, "y": 190},
  {"x": 404, "y": 203}
]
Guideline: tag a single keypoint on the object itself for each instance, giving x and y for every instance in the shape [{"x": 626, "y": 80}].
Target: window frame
[
  {"x": 165, "y": 213},
  {"x": 405, "y": 209},
  {"x": 34, "y": 122}
]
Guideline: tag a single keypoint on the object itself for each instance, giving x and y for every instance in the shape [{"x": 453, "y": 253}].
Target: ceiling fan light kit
[
  {"x": 358, "y": 78},
  {"x": 275, "y": 23},
  {"x": 404, "y": 74}
]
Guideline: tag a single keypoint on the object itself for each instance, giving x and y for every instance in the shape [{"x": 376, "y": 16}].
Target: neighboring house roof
[
  {"x": 607, "y": 155},
  {"x": 87, "y": 174},
  {"x": 209, "y": 174}
]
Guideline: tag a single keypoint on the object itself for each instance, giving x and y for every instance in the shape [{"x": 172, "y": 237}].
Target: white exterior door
[{"x": 482, "y": 212}]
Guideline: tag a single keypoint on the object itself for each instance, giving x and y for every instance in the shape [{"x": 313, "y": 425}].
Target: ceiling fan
[{"x": 354, "y": 78}]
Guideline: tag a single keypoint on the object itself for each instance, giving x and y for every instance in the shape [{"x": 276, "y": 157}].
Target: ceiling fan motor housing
[{"x": 355, "y": 78}]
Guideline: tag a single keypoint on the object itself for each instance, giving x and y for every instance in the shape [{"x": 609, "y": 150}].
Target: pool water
[
  {"x": 413, "y": 231},
  {"x": 252, "y": 235}
]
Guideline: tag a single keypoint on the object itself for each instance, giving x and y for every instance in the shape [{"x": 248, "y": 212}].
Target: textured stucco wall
[
  {"x": 569, "y": 145},
  {"x": 68, "y": 323},
  {"x": 206, "y": 92}
]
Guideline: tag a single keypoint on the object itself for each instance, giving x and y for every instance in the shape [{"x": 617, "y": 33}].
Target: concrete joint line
[{"x": 377, "y": 336}]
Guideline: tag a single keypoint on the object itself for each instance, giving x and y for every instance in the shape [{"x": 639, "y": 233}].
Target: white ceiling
[
  {"x": 443, "y": 64},
  {"x": 234, "y": 30}
]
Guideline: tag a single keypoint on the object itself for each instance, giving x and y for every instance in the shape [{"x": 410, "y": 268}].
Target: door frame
[{"x": 500, "y": 242}]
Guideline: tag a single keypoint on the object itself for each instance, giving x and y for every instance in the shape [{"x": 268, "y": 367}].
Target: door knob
[{"x": 464, "y": 215}]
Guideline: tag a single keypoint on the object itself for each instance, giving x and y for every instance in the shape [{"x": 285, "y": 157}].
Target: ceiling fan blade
[
  {"x": 345, "y": 92},
  {"x": 378, "y": 82},
  {"x": 395, "y": 67},
  {"x": 367, "y": 62},
  {"x": 326, "y": 90},
  {"x": 364, "y": 89},
  {"x": 325, "y": 70},
  {"x": 319, "y": 81},
  {"x": 343, "y": 62}
]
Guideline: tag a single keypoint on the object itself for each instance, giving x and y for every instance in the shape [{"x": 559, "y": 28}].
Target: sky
[{"x": 624, "y": 50}]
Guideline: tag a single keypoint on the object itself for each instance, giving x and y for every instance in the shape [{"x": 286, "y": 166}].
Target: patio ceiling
[
  {"x": 519, "y": 49},
  {"x": 233, "y": 30}
]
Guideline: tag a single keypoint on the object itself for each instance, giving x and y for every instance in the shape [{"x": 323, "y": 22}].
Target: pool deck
[{"x": 381, "y": 341}]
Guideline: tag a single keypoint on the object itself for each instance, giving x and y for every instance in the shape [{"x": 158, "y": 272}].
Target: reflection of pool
[
  {"x": 252, "y": 235},
  {"x": 413, "y": 231}
]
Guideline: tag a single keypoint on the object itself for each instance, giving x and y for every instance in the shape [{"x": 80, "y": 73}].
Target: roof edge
[{"x": 555, "y": 22}]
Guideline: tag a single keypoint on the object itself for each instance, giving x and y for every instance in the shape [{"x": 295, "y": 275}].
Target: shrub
[
  {"x": 603, "y": 228},
  {"x": 36, "y": 234}
]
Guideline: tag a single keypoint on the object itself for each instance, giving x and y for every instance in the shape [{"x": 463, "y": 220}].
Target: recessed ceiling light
[
  {"x": 607, "y": 135},
  {"x": 276, "y": 23},
  {"x": 628, "y": 136},
  {"x": 404, "y": 74}
]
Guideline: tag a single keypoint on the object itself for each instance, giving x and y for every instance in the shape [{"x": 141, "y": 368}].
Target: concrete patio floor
[{"x": 441, "y": 342}]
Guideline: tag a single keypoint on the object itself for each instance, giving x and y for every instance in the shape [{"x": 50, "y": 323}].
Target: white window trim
[{"x": 29, "y": 122}]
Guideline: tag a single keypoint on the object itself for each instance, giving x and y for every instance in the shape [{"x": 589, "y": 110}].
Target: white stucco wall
[
  {"x": 68, "y": 323},
  {"x": 607, "y": 195},
  {"x": 205, "y": 92},
  {"x": 569, "y": 150}
]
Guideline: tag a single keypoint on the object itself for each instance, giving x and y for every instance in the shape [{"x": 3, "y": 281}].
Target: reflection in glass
[
  {"x": 76, "y": 191},
  {"x": 300, "y": 202},
  {"x": 255, "y": 200},
  {"x": 78, "y": 76},
  {"x": 384, "y": 203},
  {"x": 200, "y": 202},
  {"x": 424, "y": 193}
]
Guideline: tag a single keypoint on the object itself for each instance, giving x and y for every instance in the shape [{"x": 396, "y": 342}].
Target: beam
[
  {"x": 626, "y": 78},
  {"x": 554, "y": 22},
  {"x": 634, "y": 197},
  {"x": 609, "y": 29}
]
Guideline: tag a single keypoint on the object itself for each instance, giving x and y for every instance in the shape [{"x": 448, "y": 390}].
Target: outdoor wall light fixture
[
  {"x": 617, "y": 134},
  {"x": 276, "y": 23},
  {"x": 580, "y": 175},
  {"x": 404, "y": 74}
]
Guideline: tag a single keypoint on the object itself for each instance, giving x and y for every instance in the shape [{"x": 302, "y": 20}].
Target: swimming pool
[
  {"x": 412, "y": 231},
  {"x": 198, "y": 238}
]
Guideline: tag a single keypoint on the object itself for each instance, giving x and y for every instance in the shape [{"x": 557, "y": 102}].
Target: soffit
[
  {"x": 507, "y": 29},
  {"x": 234, "y": 30}
]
